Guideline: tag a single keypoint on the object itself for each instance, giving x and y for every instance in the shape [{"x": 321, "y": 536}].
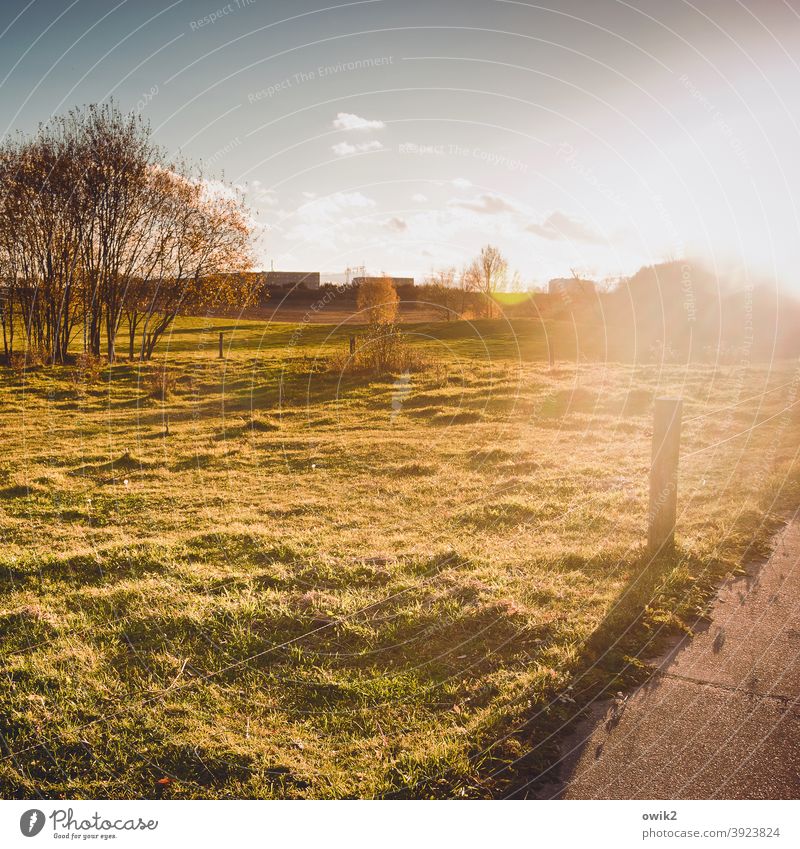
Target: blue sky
[{"x": 597, "y": 136}]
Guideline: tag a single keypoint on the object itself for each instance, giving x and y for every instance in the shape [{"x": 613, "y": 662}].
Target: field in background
[
  {"x": 339, "y": 310},
  {"x": 329, "y": 585}
]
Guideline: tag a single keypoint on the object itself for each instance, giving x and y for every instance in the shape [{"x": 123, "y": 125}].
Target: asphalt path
[{"x": 720, "y": 718}]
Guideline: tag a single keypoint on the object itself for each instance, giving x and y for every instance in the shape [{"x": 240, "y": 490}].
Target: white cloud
[
  {"x": 486, "y": 204},
  {"x": 461, "y": 183},
  {"x": 346, "y": 149},
  {"x": 257, "y": 193},
  {"x": 329, "y": 222},
  {"x": 419, "y": 198},
  {"x": 443, "y": 226},
  {"x": 343, "y": 149},
  {"x": 330, "y": 204},
  {"x": 349, "y": 121},
  {"x": 558, "y": 226},
  {"x": 399, "y": 225}
]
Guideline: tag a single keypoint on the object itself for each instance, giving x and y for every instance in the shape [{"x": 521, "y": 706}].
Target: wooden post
[
  {"x": 352, "y": 345},
  {"x": 664, "y": 474},
  {"x": 221, "y": 352},
  {"x": 551, "y": 353}
]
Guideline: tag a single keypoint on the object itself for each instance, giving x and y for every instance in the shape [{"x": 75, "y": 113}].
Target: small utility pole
[{"x": 664, "y": 474}]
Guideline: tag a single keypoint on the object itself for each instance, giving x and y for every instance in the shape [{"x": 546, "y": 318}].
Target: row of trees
[
  {"x": 99, "y": 229},
  {"x": 457, "y": 293},
  {"x": 473, "y": 288}
]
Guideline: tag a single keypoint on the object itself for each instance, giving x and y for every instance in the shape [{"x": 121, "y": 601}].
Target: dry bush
[
  {"x": 383, "y": 349},
  {"x": 440, "y": 374},
  {"x": 160, "y": 382},
  {"x": 22, "y": 361},
  {"x": 17, "y": 362},
  {"x": 86, "y": 371}
]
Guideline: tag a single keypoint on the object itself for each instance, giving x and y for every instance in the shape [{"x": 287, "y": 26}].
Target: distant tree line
[
  {"x": 471, "y": 291},
  {"x": 99, "y": 229},
  {"x": 677, "y": 310}
]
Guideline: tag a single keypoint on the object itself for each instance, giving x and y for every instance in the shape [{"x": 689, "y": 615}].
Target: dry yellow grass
[{"x": 329, "y": 587}]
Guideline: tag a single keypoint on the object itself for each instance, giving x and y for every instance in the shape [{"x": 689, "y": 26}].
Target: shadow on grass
[
  {"x": 641, "y": 622},
  {"x": 667, "y": 596},
  {"x": 103, "y": 566}
]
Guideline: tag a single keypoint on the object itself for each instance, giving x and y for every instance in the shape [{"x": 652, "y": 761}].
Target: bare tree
[
  {"x": 486, "y": 275},
  {"x": 442, "y": 288},
  {"x": 96, "y": 225},
  {"x": 40, "y": 238},
  {"x": 203, "y": 257}
]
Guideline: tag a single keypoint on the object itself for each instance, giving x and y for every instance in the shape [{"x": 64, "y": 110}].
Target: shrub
[
  {"x": 86, "y": 371},
  {"x": 17, "y": 362},
  {"x": 378, "y": 299},
  {"x": 383, "y": 349},
  {"x": 27, "y": 360},
  {"x": 160, "y": 382},
  {"x": 440, "y": 374}
]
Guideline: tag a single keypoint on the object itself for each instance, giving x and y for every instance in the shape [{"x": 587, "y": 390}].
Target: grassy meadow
[{"x": 284, "y": 581}]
